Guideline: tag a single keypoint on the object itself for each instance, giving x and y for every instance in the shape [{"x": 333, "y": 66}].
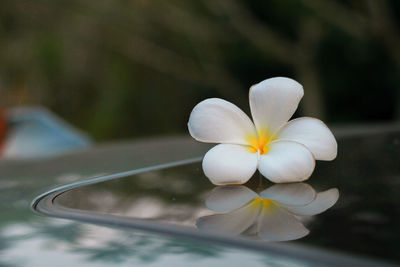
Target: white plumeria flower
[
  {"x": 272, "y": 215},
  {"x": 282, "y": 151}
]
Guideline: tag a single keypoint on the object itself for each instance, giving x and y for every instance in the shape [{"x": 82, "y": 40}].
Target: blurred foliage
[{"x": 121, "y": 69}]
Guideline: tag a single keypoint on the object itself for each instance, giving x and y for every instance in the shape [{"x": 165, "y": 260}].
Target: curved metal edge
[
  {"x": 44, "y": 204},
  {"x": 111, "y": 177}
]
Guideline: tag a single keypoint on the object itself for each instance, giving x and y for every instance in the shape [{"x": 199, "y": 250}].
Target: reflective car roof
[{"x": 173, "y": 198}]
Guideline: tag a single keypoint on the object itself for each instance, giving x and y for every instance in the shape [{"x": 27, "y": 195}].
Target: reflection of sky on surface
[
  {"x": 159, "y": 196},
  {"x": 27, "y": 239},
  {"x": 174, "y": 196},
  {"x": 179, "y": 196},
  {"x": 358, "y": 172},
  {"x": 53, "y": 242},
  {"x": 371, "y": 222}
]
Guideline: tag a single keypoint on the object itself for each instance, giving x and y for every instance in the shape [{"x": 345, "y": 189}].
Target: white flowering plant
[{"x": 282, "y": 150}]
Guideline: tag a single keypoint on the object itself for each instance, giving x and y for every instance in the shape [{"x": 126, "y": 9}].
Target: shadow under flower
[{"x": 273, "y": 214}]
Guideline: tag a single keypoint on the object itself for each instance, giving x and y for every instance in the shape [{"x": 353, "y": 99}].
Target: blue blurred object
[{"x": 37, "y": 132}]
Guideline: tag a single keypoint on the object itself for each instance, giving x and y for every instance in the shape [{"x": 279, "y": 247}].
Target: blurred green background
[{"x": 123, "y": 69}]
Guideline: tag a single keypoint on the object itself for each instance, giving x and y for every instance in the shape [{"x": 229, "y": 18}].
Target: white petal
[
  {"x": 229, "y": 164},
  {"x": 234, "y": 222},
  {"x": 322, "y": 202},
  {"x": 312, "y": 133},
  {"x": 228, "y": 198},
  {"x": 273, "y": 102},
  {"x": 297, "y": 194},
  {"x": 286, "y": 161},
  {"x": 215, "y": 120},
  {"x": 276, "y": 224}
]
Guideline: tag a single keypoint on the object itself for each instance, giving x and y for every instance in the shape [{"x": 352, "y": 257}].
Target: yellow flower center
[
  {"x": 261, "y": 202},
  {"x": 260, "y": 142}
]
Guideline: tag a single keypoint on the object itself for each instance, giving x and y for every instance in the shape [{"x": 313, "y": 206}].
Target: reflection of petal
[
  {"x": 286, "y": 161},
  {"x": 229, "y": 164},
  {"x": 297, "y": 194},
  {"x": 322, "y": 202},
  {"x": 215, "y": 120},
  {"x": 273, "y": 102},
  {"x": 228, "y": 198},
  {"x": 276, "y": 224},
  {"x": 312, "y": 133},
  {"x": 234, "y": 222},
  {"x": 252, "y": 231}
]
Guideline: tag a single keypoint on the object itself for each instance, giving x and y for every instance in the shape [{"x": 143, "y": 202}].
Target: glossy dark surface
[
  {"x": 30, "y": 239},
  {"x": 177, "y": 195},
  {"x": 364, "y": 221}
]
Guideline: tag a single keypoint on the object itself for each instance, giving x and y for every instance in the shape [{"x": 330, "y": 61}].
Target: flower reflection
[{"x": 274, "y": 214}]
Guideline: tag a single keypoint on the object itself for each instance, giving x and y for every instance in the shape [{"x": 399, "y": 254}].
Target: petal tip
[
  {"x": 215, "y": 120},
  {"x": 302, "y": 163},
  {"x": 335, "y": 193},
  {"x": 227, "y": 164},
  {"x": 281, "y": 82}
]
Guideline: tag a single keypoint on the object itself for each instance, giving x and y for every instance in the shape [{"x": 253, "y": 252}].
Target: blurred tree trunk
[
  {"x": 312, "y": 104},
  {"x": 300, "y": 56},
  {"x": 307, "y": 71},
  {"x": 365, "y": 18},
  {"x": 386, "y": 31}
]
